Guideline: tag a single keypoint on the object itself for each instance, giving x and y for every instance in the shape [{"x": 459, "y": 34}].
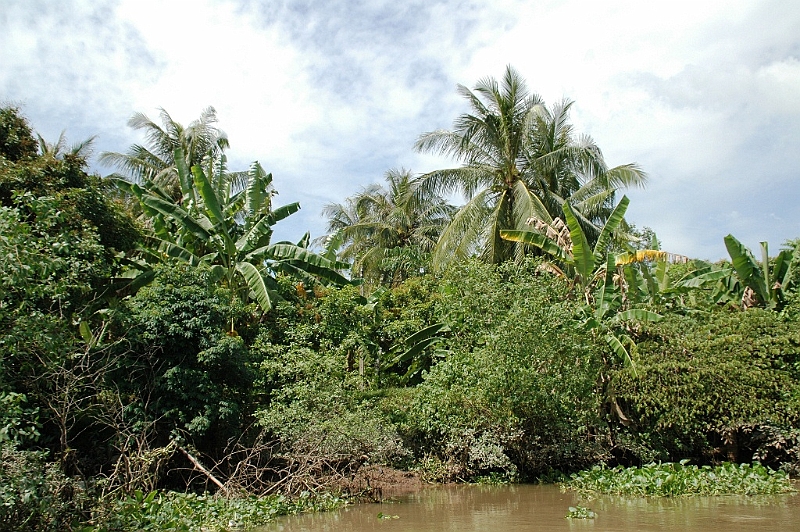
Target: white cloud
[{"x": 329, "y": 95}]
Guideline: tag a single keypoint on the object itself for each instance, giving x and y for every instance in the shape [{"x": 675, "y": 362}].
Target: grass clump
[{"x": 678, "y": 479}]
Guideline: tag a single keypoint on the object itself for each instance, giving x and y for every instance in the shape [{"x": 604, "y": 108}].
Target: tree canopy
[{"x": 520, "y": 162}]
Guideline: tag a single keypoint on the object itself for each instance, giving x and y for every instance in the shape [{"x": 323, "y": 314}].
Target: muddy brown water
[{"x": 541, "y": 508}]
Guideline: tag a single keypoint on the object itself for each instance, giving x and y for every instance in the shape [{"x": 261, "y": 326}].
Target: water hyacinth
[
  {"x": 185, "y": 512},
  {"x": 676, "y": 479}
]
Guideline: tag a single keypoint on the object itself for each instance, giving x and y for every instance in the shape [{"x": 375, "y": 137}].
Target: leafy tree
[
  {"x": 16, "y": 138},
  {"x": 712, "y": 382},
  {"x": 521, "y": 162},
  {"x": 60, "y": 237},
  {"x": 389, "y": 232},
  {"x": 605, "y": 311},
  {"x": 514, "y": 393},
  {"x": 178, "y": 366}
]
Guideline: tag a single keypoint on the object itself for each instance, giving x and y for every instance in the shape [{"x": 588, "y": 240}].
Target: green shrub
[
  {"x": 180, "y": 363},
  {"x": 712, "y": 386},
  {"x": 35, "y": 495},
  {"x": 516, "y": 392},
  {"x": 321, "y": 411}
]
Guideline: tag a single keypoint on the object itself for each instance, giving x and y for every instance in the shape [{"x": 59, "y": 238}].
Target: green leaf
[
  {"x": 639, "y": 286},
  {"x": 785, "y": 263},
  {"x": 636, "y": 314},
  {"x": 86, "y": 333},
  {"x": 608, "y": 298},
  {"x": 256, "y": 284},
  {"x": 539, "y": 240},
  {"x": 765, "y": 271},
  {"x": 582, "y": 256},
  {"x": 702, "y": 277},
  {"x": 255, "y": 236},
  {"x": 210, "y": 200},
  {"x": 306, "y": 260},
  {"x": 177, "y": 252},
  {"x": 747, "y": 268},
  {"x": 619, "y": 349},
  {"x": 184, "y": 176},
  {"x": 257, "y": 189},
  {"x": 282, "y": 212},
  {"x": 426, "y": 333},
  {"x": 332, "y": 245},
  {"x": 414, "y": 350},
  {"x": 198, "y": 227},
  {"x": 611, "y": 225}
]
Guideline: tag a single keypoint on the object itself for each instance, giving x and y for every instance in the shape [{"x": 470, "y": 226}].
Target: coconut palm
[
  {"x": 521, "y": 162},
  {"x": 387, "y": 232},
  {"x": 59, "y": 150},
  {"x": 201, "y": 142}
]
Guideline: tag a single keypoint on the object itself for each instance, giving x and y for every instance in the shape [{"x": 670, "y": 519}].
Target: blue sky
[{"x": 704, "y": 95}]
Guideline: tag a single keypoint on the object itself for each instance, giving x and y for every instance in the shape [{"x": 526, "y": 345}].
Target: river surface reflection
[{"x": 541, "y": 508}]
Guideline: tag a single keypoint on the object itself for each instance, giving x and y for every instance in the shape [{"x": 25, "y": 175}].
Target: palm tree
[
  {"x": 388, "y": 232},
  {"x": 201, "y": 142},
  {"x": 58, "y": 149},
  {"x": 521, "y": 162}
]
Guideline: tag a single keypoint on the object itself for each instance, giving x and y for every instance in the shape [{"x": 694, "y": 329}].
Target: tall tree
[
  {"x": 388, "y": 232},
  {"x": 201, "y": 143},
  {"x": 521, "y": 161}
]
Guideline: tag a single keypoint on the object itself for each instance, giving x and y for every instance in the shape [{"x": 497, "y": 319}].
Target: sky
[{"x": 329, "y": 95}]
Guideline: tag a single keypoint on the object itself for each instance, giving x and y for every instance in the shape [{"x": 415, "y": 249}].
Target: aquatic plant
[
  {"x": 580, "y": 512},
  {"x": 183, "y": 512},
  {"x": 675, "y": 479}
]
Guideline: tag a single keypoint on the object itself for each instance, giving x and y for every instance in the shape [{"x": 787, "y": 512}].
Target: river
[{"x": 541, "y": 508}]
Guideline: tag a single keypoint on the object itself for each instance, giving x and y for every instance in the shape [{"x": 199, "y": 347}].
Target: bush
[
  {"x": 721, "y": 385},
  {"x": 35, "y": 495},
  {"x": 180, "y": 364},
  {"x": 516, "y": 392},
  {"x": 321, "y": 412}
]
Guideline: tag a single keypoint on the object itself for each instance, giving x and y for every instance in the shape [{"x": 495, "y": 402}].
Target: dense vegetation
[
  {"x": 676, "y": 479},
  {"x": 160, "y": 354}
]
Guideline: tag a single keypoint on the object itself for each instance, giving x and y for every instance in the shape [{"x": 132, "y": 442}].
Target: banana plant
[
  {"x": 420, "y": 349},
  {"x": 229, "y": 230},
  {"x": 769, "y": 284},
  {"x": 603, "y": 310},
  {"x": 581, "y": 262},
  {"x": 607, "y": 317},
  {"x": 746, "y": 281}
]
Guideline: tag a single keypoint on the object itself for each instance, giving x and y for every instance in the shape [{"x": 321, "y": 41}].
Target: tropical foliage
[
  {"x": 201, "y": 142},
  {"x": 168, "y": 343},
  {"x": 592, "y": 268},
  {"x": 229, "y": 230},
  {"x": 521, "y": 162},
  {"x": 388, "y": 232}
]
